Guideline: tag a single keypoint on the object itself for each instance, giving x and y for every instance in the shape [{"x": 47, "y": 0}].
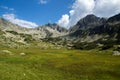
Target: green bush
[
  {"x": 85, "y": 46},
  {"x": 13, "y": 32},
  {"x": 108, "y": 46}
]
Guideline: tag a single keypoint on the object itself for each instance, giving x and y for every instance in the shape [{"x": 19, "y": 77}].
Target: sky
[{"x": 66, "y": 13}]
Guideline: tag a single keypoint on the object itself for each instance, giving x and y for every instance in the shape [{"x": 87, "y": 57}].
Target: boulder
[
  {"x": 116, "y": 53},
  {"x": 6, "y": 52},
  {"x": 22, "y": 54}
]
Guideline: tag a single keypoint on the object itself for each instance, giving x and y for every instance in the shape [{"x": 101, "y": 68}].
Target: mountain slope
[
  {"x": 12, "y": 35},
  {"x": 5, "y": 25},
  {"x": 89, "y": 30},
  {"x": 48, "y": 30},
  {"x": 90, "y": 21},
  {"x": 107, "y": 33},
  {"x": 115, "y": 18},
  {"x": 52, "y": 30}
]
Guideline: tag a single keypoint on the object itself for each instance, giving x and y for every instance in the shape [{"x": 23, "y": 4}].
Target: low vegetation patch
[{"x": 61, "y": 64}]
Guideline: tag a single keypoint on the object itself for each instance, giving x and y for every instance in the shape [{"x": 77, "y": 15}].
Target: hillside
[
  {"x": 90, "y": 30},
  {"x": 106, "y": 32},
  {"x": 90, "y": 21},
  {"x": 13, "y": 35}
]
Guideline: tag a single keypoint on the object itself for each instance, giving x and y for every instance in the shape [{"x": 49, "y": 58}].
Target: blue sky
[
  {"x": 66, "y": 13},
  {"x": 34, "y": 11}
]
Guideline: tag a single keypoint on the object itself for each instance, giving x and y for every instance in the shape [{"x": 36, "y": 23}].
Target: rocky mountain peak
[
  {"x": 56, "y": 27},
  {"x": 90, "y": 21}
]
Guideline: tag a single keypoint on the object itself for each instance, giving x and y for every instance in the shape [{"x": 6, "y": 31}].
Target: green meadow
[{"x": 62, "y": 64}]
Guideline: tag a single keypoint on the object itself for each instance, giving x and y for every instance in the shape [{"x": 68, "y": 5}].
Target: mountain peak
[
  {"x": 90, "y": 21},
  {"x": 90, "y": 15},
  {"x": 91, "y": 18},
  {"x": 114, "y": 18}
]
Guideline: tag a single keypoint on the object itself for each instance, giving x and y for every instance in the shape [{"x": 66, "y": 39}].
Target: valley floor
[{"x": 38, "y": 64}]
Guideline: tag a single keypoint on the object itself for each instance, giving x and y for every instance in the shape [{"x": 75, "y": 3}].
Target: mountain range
[{"x": 90, "y": 30}]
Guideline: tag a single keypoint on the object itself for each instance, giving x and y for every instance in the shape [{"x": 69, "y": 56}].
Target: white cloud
[
  {"x": 107, "y": 8},
  {"x": 7, "y": 8},
  {"x": 12, "y": 18},
  {"x": 64, "y": 21},
  {"x": 43, "y": 1},
  {"x": 80, "y": 9},
  {"x": 102, "y": 8}
]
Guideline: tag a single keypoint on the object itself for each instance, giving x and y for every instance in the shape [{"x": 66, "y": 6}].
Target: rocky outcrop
[
  {"x": 116, "y": 53},
  {"x": 90, "y": 21},
  {"x": 6, "y": 52}
]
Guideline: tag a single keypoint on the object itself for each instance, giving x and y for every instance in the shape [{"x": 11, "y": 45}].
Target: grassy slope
[{"x": 58, "y": 65}]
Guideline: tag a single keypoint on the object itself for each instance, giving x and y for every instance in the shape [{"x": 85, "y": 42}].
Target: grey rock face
[{"x": 90, "y": 21}]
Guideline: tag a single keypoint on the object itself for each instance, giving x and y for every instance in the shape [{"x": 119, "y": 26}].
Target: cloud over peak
[
  {"x": 12, "y": 18},
  {"x": 107, "y": 8},
  {"x": 81, "y": 8},
  {"x": 64, "y": 21}
]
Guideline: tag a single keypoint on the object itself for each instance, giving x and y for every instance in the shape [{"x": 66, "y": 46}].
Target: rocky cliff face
[
  {"x": 92, "y": 25},
  {"x": 52, "y": 30},
  {"x": 90, "y": 21},
  {"x": 97, "y": 31}
]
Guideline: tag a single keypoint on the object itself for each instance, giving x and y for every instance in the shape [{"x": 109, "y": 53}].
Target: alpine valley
[{"x": 89, "y": 50}]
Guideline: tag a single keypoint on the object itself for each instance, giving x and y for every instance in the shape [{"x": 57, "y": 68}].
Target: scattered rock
[
  {"x": 6, "y": 52},
  {"x": 118, "y": 45},
  {"x": 22, "y": 54},
  {"x": 116, "y": 53},
  {"x": 100, "y": 45}
]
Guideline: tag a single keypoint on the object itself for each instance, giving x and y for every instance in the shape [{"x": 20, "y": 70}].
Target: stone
[
  {"x": 116, "y": 53},
  {"x": 6, "y": 52},
  {"x": 22, "y": 54}
]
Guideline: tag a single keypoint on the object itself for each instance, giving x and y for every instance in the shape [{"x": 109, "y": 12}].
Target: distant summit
[{"x": 90, "y": 21}]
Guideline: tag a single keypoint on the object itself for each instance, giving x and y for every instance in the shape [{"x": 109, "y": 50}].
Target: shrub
[
  {"x": 107, "y": 46},
  {"x": 12, "y": 32},
  {"x": 85, "y": 46}
]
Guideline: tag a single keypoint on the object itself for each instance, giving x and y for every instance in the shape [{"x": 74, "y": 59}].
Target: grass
[{"x": 59, "y": 65}]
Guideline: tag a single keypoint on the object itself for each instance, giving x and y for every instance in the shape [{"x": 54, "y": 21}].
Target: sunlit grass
[{"x": 58, "y": 65}]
